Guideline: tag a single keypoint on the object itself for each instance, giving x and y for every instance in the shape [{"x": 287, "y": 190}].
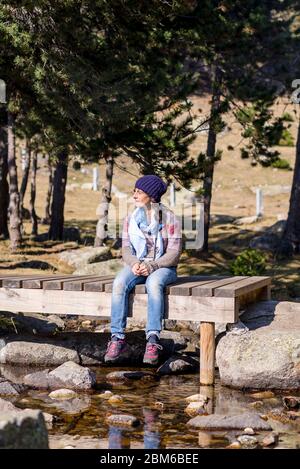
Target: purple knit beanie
[{"x": 152, "y": 185}]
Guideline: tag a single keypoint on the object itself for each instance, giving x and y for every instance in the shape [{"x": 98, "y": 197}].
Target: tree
[{"x": 4, "y": 194}]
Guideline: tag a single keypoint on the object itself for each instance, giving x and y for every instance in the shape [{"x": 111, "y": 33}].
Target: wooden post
[{"x": 207, "y": 352}]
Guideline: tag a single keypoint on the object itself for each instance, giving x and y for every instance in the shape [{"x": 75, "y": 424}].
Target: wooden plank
[
  {"x": 57, "y": 284},
  {"x": 9, "y": 277},
  {"x": 99, "y": 304},
  {"x": 241, "y": 287},
  {"x": 185, "y": 289},
  {"x": 207, "y": 353},
  {"x": 98, "y": 285},
  {"x": 17, "y": 281},
  {"x": 78, "y": 285},
  {"x": 38, "y": 281},
  {"x": 209, "y": 288},
  {"x": 141, "y": 289}
]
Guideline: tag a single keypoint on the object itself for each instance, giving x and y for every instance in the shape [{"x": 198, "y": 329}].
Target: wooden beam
[{"x": 207, "y": 353}]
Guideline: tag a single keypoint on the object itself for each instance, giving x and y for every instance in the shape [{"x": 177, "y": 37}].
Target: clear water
[{"x": 158, "y": 404}]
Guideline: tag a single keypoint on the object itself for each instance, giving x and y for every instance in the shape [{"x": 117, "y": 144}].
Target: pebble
[
  {"x": 63, "y": 394},
  {"x": 269, "y": 440},
  {"x": 247, "y": 441},
  {"x": 249, "y": 431}
]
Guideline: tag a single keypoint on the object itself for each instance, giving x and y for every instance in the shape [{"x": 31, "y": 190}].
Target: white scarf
[{"x": 137, "y": 238}]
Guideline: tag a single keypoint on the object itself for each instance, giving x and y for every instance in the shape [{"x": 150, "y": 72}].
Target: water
[{"x": 160, "y": 407}]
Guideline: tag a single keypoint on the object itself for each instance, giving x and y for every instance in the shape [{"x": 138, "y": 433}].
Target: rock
[
  {"x": 246, "y": 220},
  {"x": 127, "y": 376},
  {"x": 270, "y": 240},
  {"x": 266, "y": 242},
  {"x": 62, "y": 394},
  {"x": 49, "y": 420},
  {"x": 249, "y": 431},
  {"x": 35, "y": 323},
  {"x": 178, "y": 364},
  {"x": 123, "y": 420},
  {"x": 6, "y": 406},
  {"x": 234, "y": 445},
  {"x": 115, "y": 400},
  {"x": 105, "y": 395},
  {"x": 229, "y": 422},
  {"x": 86, "y": 348},
  {"x": 268, "y": 355},
  {"x": 7, "y": 388},
  {"x": 109, "y": 267},
  {"x": 37, "y": 380},
  {"x": 247, "y": 441},
  {"x": 86, "y": 324},
  {"x": 197, "y": 398},
  {"x": 262, "y": 395},
  {"x": 72, "y": 375},
  {"x": 74, "y": 406},
  {"x": 23, "y": 430},
  {"x": 81, "y": 257},
  {"x": 36, "y": 353},
  {"x": 69, "y": 375},
  {"x": 291, "y": 402},
  {"x": 260, "y": 359},
  {"x": 269, "y": 440},
  {"x": 195, "y": 408},
  {"x": 277, "y": 315}
]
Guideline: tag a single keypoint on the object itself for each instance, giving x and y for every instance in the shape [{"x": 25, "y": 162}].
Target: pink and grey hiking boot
[
  {"x": 115, "y": 349},
  {"x": 152, "y": 352}
]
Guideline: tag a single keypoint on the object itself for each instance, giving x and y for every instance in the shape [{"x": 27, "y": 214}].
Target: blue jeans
[{"x": 124, "y": 282}]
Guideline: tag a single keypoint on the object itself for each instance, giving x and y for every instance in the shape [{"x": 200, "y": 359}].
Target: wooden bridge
[{"x": 204, "y": 299}]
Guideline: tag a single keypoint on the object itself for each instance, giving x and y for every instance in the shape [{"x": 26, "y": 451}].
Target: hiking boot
[
  {"x": 115, "y": 349},
  {"x": 152, "y": 352}
]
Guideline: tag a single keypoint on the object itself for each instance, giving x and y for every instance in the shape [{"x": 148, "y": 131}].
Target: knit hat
[{"x": 152, "y": 185}]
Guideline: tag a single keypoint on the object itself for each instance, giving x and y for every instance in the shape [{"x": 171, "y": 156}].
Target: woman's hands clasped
[{"x": 140, "y": 269}]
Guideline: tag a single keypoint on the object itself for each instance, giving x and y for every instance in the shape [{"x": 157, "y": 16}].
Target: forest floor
[{"x": 235, "y": 182}]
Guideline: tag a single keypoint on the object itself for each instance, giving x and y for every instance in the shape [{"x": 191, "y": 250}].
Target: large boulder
[
  {"x": 23, "y": 430},
  {"x": 35, "y": 352},
  {"x": 229, "y": 422},
  {"x": 109, "y": 267},
  {"x": 80, "y": 257},
  {"x": 267, "y": 356},
  {"x": 69, "y": 375},
  {"x": 270, "y": 239},
  {"x": 35, "y": 323}
]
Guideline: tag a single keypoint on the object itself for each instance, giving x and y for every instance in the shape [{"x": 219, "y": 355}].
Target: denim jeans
[{"x": 124, "y": 282}]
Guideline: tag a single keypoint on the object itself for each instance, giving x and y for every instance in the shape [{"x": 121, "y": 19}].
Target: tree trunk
[
  {"x": 102, "y": 225},
  {"x": 25, "y": 177},
  {"x": 34, "y": 230},
  {"x": 290, "y": 242},
  {"x": 210, "y": 153},
  {"x": 58, "y": 201},
  {"x": 47, "y": 218},
  {"x": 14, "y": 196},
  {"x": 4, "y": 194}
]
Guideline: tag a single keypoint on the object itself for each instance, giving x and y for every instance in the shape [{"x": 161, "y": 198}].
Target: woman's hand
[
  {"x": 136, "y": 269},
  {"x": 143, "y": 270}
]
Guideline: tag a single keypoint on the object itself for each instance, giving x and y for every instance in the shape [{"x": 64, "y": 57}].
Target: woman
[{"x": 151, "y": 247}]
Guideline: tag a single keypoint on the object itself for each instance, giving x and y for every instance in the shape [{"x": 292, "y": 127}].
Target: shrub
[
  {"x": 281, "y": 163},
  {"x": 249, "y": 262}
]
